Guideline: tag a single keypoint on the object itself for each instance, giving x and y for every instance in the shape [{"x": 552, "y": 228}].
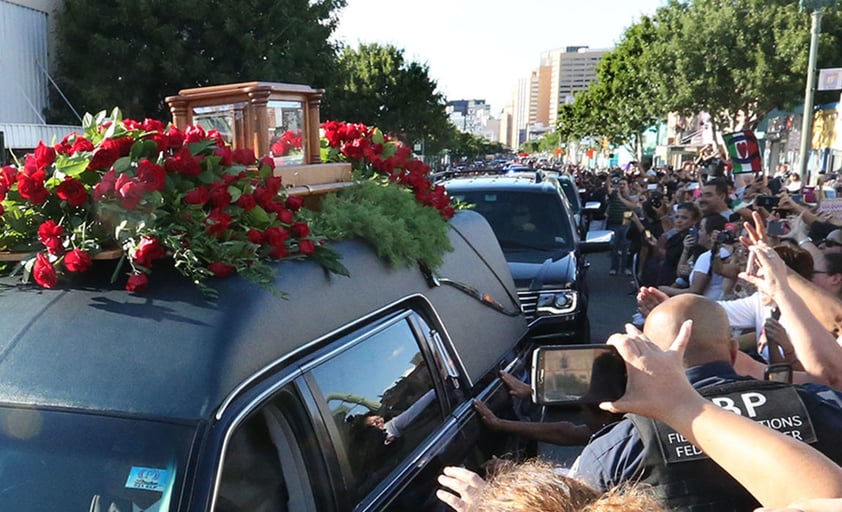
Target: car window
[
  {"x": 572, "y": 193},
  {"x": 380, "y": 394},
  {"x": 91, "y": 462},
  {"x": 523, "y": 220}
]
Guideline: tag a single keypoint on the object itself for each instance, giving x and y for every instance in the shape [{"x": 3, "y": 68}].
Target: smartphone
[
  {"x": 577, "y": 374},
  {"x": 694, "y": 231},
  {"x": 797, "y": 198},
  {"x": 751, "y": 264},
  {"x": 776, "y": 227},
  {"x": 693, "y": 186},
  {"x": 781, "y": 372},
  {"x": 652, "y": 186},
  {"x": 767, "y": 202}
]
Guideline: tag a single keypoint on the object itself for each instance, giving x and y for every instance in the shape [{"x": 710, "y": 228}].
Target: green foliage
[
  {"x": 378, "y": 87},
  {"x": 134, "y": 53},
  {"x": 468, "y": 145},
  {"x": 390, "y": 219}
]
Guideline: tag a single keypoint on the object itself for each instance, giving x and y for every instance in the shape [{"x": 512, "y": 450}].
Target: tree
[
  {"x": 377, "y": 86},
  {"x": 737, "y": 59},
  {"x": 134, "y": 53}
]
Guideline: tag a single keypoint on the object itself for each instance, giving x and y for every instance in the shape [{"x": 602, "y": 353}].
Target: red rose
[
  {"x": 32, "y": 189},
  {"x": 300, "y": 229},
  {"x": 175, "y": 137},
  {"x": 152, "y": 125},
  {"x": 151, "y": 175},
  {"x": 244, "y": 156},
  {"x": 226, "y": 156},
  {"x": 294, "y": 203},
  {"x": 137, "y": 282},
  {"x": 109, "y": 151},
  {"x": 219, "y": 196},
  {"x": 218, "y": 222},
  {"x": 148, "y": 249},
  {"x": 255, "y": 236},
  {"x": 77, "y": 260},
  {"x": 81, "y": 144},
  {"x": 43, "y": 271},
  {"x": 220, "y": 269},
  {"x": 183, "y": 163},
  {"x": 198, "y": 195},
  {"x": 276, "y": 236},
  {"x": 285, "y": 216},
  {"x": 8, "y": 176},
  {"x": 49, "y": 234},
  {"x": 215, "y": 136},
  {"x": 130, "y": 191},
  {"x": 44, "y": 155},
  {"x": 246, "y": 202},
  {"x": 269, "y": 162},
  {"x": 72, "y": 191},
  {"x": 105, "y": 185},
  {"x": 306, "y": 247},
  {"x": 194, "y": 133}
]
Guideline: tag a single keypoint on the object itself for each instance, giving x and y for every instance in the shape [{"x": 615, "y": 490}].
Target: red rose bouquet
[{"x": 150, "y": 191}]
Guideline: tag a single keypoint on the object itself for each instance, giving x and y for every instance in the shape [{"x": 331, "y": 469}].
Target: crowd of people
[{"x": 739, "y": 278}]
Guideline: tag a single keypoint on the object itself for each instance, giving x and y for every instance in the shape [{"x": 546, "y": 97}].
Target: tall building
[
  {"x": 472, "y": 116},
  {"x": 520, "y": 112},
  {"x": 573, "y": 69}
]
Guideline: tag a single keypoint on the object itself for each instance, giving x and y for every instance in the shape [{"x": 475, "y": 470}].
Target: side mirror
[{"x": 598, "y": 241}]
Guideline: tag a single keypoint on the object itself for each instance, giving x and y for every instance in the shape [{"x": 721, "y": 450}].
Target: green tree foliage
[
  {"x": 470, "y": 146},
  {"x": 378, "y": 87},
  {"x": 737, "y": 59},
  {"x": 134, "y": 53}
]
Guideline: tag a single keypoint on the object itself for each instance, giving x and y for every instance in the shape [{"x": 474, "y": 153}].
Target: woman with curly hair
[{"x": 536, "y": 486}]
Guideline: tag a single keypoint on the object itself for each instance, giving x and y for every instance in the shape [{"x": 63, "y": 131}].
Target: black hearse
[{"x": 351, "y": 394}]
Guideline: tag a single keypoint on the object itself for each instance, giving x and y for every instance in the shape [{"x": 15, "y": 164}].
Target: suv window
[
  {"x": 381, "y": 396},
  {"x": 523, "y": 219}
]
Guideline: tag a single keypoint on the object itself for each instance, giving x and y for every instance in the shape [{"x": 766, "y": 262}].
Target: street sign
[{"x": 830, "y": 79}]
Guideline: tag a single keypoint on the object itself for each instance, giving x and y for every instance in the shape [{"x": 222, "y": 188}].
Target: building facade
[
  {"x": 27, "y": 39},
  {"x": 573, "y": 70}
]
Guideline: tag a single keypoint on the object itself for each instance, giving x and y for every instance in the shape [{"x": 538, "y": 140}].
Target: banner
[{"x": 744, "y": 152}]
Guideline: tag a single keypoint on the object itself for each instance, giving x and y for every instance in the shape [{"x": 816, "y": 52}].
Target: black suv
[
  {"x": 534, "y": 223},
  {"x": 350, "y": 395}
]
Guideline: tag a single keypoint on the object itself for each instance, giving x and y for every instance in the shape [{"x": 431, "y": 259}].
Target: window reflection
[
  {"x": 286, "y": 125},
  {"x": 380, "y": 394}
]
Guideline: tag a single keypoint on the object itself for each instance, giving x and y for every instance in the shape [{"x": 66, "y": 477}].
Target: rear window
[
  {"x": 51, "y": 460},
  {"x": 523, "y": 220}
]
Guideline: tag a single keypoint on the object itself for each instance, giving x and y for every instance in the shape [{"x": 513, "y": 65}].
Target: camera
[
  {"x": 767, "y": 201},
  {"x": 726, "y": 237},
  {"x": 656, "y": 200},
  {"x": 615, "y": 181}
]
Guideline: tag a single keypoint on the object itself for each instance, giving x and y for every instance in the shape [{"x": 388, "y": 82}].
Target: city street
[{"x": 612, "y": 298}]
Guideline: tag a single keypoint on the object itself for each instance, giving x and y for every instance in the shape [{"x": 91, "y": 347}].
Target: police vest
[{"x": 686, "y": 479}]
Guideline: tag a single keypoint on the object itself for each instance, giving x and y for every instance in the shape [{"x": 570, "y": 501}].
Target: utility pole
[{"x": 817, "y": 7}]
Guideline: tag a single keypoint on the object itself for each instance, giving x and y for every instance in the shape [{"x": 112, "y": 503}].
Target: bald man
[{"x": 638, "y": 449}]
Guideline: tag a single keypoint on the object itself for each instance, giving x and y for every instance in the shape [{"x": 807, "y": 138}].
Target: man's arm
[{"x": 561, "y": 433}]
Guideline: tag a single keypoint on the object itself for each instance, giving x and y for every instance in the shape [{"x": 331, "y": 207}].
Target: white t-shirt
[
  {"x": 747, "y": 312},
  {"x": 702, "y": 266}
]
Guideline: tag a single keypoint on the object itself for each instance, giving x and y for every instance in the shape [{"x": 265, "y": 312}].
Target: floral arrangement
[
  {"x": 149, "y": 191},
  {"x": 145, "y": 191},
  {"x": 372, "y": 154}
]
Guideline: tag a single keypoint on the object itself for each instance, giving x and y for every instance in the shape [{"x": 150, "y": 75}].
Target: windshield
[
  {"x": 61, "y": 461},
  {"x": 523, "y": 221}
]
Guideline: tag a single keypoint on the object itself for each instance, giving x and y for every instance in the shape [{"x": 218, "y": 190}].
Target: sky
[{"x": 477, "y": 49}]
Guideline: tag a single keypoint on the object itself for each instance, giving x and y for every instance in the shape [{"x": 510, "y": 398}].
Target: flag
[{"x": 744, "y": 152}]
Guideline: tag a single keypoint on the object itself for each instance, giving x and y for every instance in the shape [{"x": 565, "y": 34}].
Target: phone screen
[
  {"x": 776, "y": 227},
  {"x": 778, "y": 372},
  {"x": 577, "y": 374}
]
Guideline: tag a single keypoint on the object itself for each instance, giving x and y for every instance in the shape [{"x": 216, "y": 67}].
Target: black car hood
[{"x": 532, "y": 272}]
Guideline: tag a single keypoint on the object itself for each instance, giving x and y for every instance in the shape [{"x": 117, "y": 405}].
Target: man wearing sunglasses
[
  {"x": 832, "y": 243},
  {"x": 827, "y": 272}
]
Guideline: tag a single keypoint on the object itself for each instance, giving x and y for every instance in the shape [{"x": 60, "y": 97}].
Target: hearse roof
[{"x": 169, "y": 352}]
